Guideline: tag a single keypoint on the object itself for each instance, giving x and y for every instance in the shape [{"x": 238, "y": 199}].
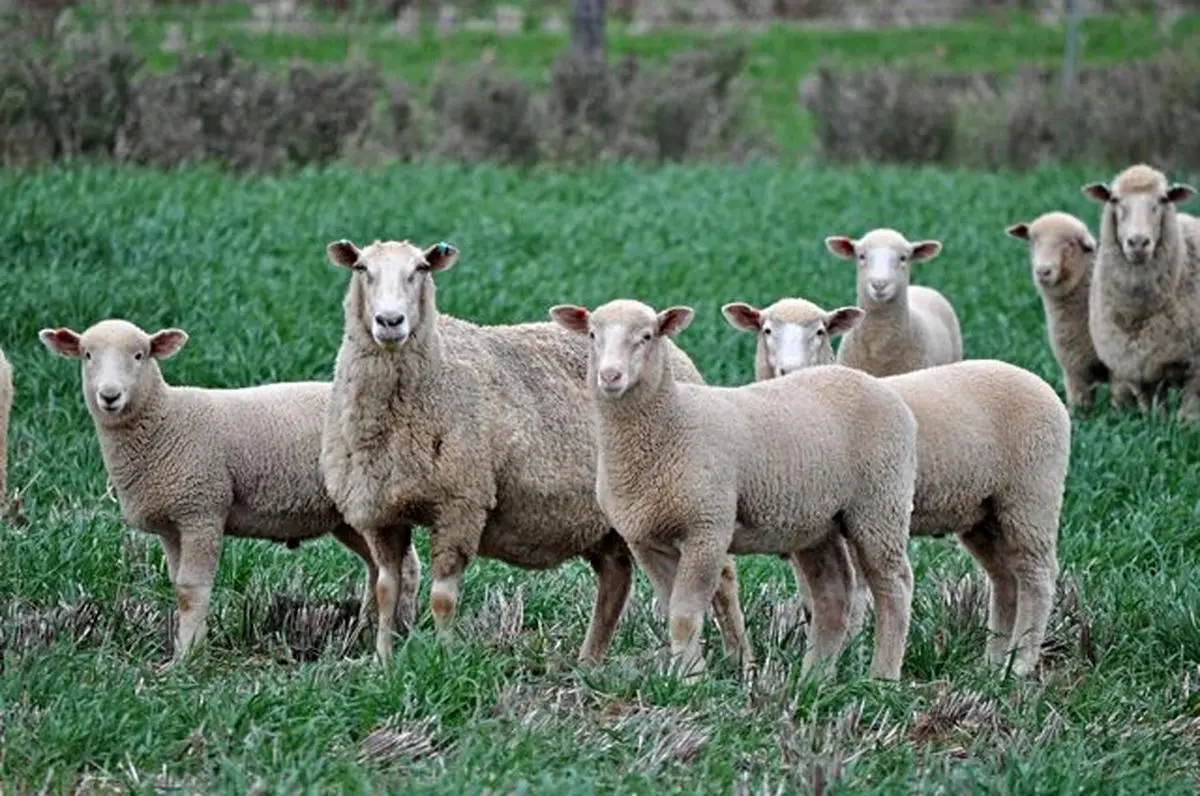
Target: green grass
[
  {"x": 779, "y": 56},
  {"x": 241, "y": 266}
]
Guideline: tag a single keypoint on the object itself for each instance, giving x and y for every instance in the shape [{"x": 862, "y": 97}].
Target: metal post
[{"x": 1071, "y": 55}]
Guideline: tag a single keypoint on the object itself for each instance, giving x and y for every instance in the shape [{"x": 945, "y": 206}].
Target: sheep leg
[
  {"x": 1030, "y": 532},
  {"x": 827, "y": 570},
  {"x": 803, "y": 592},
  {"x": 351, "y": 539},
  {"x": 170, "y": 546},
  {"x": 388, "y": 558},
  {"x": 614, "y": 578},
  {"x": 1079, "y": 391},
  {"x": 1189, "y": 405},
  {"x": 727, "y": 611},
  {"x": 399, "y": 538},
  {"x": 983, "y": 543},
  {"x": 199, "y": 552},
  {"x": 697, "y": 578},
  {"x": 454, "y": 543},
  {"x": 879, "y": 534}
]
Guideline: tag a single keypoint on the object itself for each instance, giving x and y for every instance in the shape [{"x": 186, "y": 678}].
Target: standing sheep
[
  {"x": 1062, "y": 253},
  {"x": 1144, "y": 312},
  {"x": 192, "y": 464},
  {"x": 907, "y": 327},
  {"x": 689, "y": 472},
  {"x": 479, "y": 433},
  {"x": 993, "y": 448}
]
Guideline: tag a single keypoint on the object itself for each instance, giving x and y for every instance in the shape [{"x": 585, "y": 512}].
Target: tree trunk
[{"x": 587, "y": 28}]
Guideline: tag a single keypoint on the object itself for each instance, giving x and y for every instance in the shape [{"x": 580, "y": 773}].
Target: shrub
[{"x": 488, "y": 114}]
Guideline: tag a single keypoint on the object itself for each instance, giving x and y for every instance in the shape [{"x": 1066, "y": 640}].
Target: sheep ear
[
  {"x": 674, "y": 320},
  {"x": 1087, "y": 243},
  {"x": 166, "y": 343},
  {"x": 841, "y": 245},
  {"x": 925, "y": 250},
  {"x": 441, "y": 256},
  {"x": 743, "y": 316},
  {"x": 1018, "y": 231},
  {"x": 344, "y": 254},
  {"x": 1180, "y": 192},
  {"x": 571, "y": 317},
  {"x": 1098, "y": 191},
  {"x": 842, "y": 320},
  {"x": 61, "y": 341}
]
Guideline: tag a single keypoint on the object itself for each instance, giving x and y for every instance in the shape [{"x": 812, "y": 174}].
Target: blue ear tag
[{"x": 443, "y": 247}]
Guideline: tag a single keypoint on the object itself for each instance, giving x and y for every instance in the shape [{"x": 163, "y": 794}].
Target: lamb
[
  {"x": 1062, "y": 253},
  {"x": 1144, "y": 303},
  {"x": 993, "y": 448},
  {"x": 907, "y": 327},
  {"x": 479, "y": 433},
  {"x": 689, "y": 472},
  {"x": 192, "y": 464},
  {"x": 6, "y": 400}
]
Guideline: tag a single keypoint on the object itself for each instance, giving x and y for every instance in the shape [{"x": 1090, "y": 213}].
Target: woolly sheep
[
  {"x": 1144, "y": 312},
  {"x": 192, "y": 464},
  {"x": 1062, "y": 253},
  {"x": 993, "y": 447},
  {"x": 479, "y": 433},
  {"x": 906, "y": 327},
  {"x": 6, "y": 400},
  {"x": 690, "y": 472}
]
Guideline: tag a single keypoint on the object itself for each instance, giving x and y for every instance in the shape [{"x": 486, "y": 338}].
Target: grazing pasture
[{"x": 285, "y": 697}]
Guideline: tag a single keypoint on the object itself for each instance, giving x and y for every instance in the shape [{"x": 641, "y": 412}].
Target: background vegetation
[{"x": 286, "y": 698}]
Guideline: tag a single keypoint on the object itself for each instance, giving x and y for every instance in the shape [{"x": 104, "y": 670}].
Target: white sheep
[
  {"x": 481, "y": 434},
  {"x": 906, "y": 327},
  {"x": 993, "y": 448},
  {"x": 192, "y": 464},
  {"x": 1062, "y": 253},
  {"x": 689, "y": 472},
  {"x": 6, "y": 401},
  {"x": 1144, "y": 304}
]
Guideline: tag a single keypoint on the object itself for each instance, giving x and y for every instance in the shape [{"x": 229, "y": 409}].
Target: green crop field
[{"x": 85, "y": 698}]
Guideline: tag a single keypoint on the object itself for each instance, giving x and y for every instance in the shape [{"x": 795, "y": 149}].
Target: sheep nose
[
  {"x": 389, "y": 319},
  {"x": 1137, "y": 241},
  {"x": 110, "y": 397},
  {"x": 878, "y": 285},
  {"x": 610, "y": 375},
  {"x": 1043, "y": 273}
]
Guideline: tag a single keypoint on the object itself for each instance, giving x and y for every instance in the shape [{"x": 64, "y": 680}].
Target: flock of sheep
[{"x": 594, "y": 435}]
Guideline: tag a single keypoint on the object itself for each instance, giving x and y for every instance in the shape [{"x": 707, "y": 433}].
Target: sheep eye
[
  {"x": 646, "y": 337},
  {"x": 766, "y": 331},
  {"x": 87, "y": 355},
  {"x": 820, "y": 333},
  {"x": 862, "y": 258},
  {"x": 591, "y": 335},
  {"x": 138, "y": 356},
  {"x": 904, "y": 258}
]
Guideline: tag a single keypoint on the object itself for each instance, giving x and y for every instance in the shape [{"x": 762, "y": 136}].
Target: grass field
[
  {"x": 84, "y": 602},
  {"x": 780, "y": 55}
]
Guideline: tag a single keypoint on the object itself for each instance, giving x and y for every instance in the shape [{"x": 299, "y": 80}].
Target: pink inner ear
[
  {"x": 841, "y": 245},
  {"x": 744, "y": 316},
  {"x": 574, "y": 319},
  {"x": 65, "y": 342}
]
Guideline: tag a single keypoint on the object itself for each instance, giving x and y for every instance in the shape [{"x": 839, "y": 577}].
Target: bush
[
  {"x": 1139, "y": 111},
  {"x": 92, "y": 101}
]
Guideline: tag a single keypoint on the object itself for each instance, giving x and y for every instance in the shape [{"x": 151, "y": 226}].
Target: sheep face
[
  {"x": 1136, "y": 203},
  {"x": 884, "y": 257},
  {"x": 1060, "y": 247},
  {"x": 793, "y": 333},
  {"x": 625, "y": 340},
  {"x": 119, "y": 368},
  {"x": 393, "y": 283}
]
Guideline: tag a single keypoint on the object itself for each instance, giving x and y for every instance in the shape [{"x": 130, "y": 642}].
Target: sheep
[
  {"x": 689, "y": 472},
  {"x": 906, "y": 327},
  {"x": 6, "y": 401},
  {"x": 993, "y": 448},
  {"x": 1062, "y": 253},
  {"x": 480, "y": 434},
  {"x": 1144, "y": 303},
  {"x": 191, "y": 464}
]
